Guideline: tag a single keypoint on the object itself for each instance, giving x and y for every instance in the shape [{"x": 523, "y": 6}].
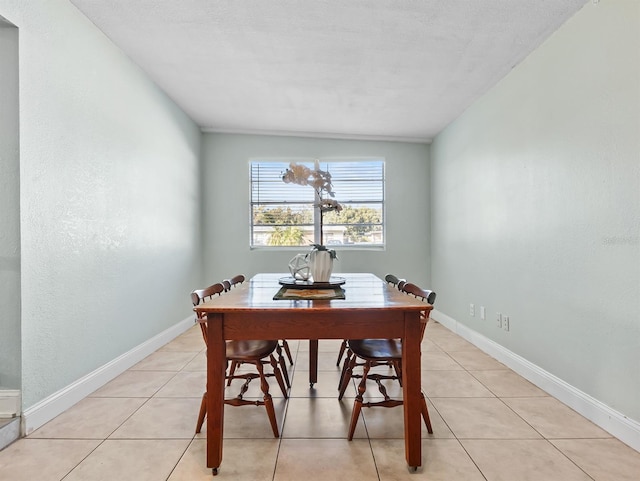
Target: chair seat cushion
[
  {"x": 377, "y": 349},
  {"x": 249, "y": 350}
]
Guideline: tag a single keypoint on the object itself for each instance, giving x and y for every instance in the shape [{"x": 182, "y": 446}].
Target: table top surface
[{"x": 363, "y": 291}]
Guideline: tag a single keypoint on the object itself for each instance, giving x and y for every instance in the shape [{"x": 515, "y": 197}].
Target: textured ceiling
[{"x": 388, "y": 69}]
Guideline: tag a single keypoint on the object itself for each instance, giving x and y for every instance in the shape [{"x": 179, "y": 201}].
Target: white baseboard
[
  {"x": 625, "y": 429},
  {"x": 9, "y": 432},
  {"x": 45, "y": 410},
  {"x": 9, "y": 403}
]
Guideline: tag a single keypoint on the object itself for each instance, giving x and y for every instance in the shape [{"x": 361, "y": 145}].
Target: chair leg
[
  {"x": 268, "y": 400},
  {"x": 357, "y": 404},
  {"x": 425, "y": 414},
  {"x": 278, "y": 374},
  {"x": 347, "y": 371},
  {"x": 397, "y": 366},
  {"x": 343, "y": 346},
  {"x": 283, "y": 366},
  {"x": 287, "y": 351},
  {"x": 344, "y": 368},
  {"x": 232, "y": 370},
  {"x": 202, "y": 413}
]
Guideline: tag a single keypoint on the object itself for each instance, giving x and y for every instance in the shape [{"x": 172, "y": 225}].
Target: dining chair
[
  {"x": 239, "y": 279},
  {"x": 282, "y": 344},
  {"x": 390, "y": 279},
  {"x": 374, "y": 352},
  {"x": 257, "y": 353}
]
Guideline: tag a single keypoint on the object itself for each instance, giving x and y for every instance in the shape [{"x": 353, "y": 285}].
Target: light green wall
[
  {"x": 226, "y": 205},
  {"x": 109, "y": 170},
  {"x": 536, "y": 207},
  {"x": 10, "y": 373}
]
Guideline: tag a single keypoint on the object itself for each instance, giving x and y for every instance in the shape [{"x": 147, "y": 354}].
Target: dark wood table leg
[
  {"x": 313, "y": 362},
  {"x": 216, "y": 367},
  {"x": 411, "y": 387}
]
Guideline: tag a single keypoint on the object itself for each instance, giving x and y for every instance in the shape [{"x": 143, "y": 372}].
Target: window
[{"x": 289, "y": 215}]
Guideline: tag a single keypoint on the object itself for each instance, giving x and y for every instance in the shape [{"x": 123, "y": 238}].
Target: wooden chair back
[
  {"x": 239, "y": 279},
  {"x": 201, "y": 295},
  {"x": 424, "y": 294},
  {"x": 395, "y": 280}
]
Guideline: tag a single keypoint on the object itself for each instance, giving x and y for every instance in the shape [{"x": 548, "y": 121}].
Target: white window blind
[{"x": 288, "y": 215}]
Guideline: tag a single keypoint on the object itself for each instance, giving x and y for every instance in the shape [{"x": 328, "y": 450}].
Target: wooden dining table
[{"x": 370, "y": 309}]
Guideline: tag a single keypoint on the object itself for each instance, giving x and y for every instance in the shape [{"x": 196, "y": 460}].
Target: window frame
[{"x": 322, "y": 162}]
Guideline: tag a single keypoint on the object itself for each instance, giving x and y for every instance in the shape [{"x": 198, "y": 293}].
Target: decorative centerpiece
[
  {"x": 320, "y": 258},
  {"x": 299, "y": 267}
]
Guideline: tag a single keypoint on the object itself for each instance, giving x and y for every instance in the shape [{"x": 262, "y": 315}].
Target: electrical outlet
[
  {"x": 499, "y": 320},
  {"x": 472, "y": 310},
  {"x": 483, "y": 313},
  {"x": 505, "y": 323}
]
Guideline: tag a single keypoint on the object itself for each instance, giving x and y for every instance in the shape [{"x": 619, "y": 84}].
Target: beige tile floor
[{"x": 489, "y": 424}]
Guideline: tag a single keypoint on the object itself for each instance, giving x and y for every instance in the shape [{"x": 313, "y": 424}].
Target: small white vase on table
[{"x": 321, "y": 263}]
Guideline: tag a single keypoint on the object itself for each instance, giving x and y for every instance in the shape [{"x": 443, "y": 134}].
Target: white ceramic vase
[{"x": 321, "y": 265}]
